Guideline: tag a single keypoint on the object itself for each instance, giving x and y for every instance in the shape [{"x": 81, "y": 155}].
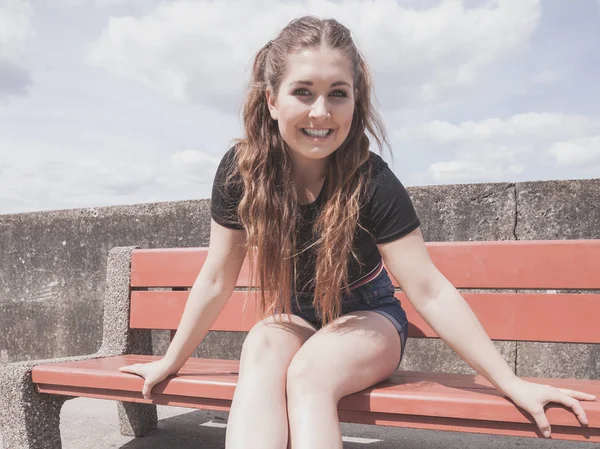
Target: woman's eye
[{"x": 335, "y": 93}]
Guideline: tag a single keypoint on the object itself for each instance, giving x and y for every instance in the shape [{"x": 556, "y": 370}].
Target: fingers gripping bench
[{"x": 34, "y": 391}]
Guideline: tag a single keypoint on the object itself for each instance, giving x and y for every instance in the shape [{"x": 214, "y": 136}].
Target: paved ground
[{"x": 92, "y": 424}]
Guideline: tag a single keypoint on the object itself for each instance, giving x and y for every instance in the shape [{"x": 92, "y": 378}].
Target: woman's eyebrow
[{"x": 310, "y": 83}]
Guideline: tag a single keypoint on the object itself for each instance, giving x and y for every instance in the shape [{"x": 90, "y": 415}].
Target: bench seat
[{"x": 424, "y": 400}]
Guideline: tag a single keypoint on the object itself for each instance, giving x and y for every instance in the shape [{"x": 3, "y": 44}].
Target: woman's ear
[{"x": 271, "y": 104}]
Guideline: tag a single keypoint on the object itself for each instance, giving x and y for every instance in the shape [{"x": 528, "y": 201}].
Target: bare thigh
[{"x": 350, "y": 354}]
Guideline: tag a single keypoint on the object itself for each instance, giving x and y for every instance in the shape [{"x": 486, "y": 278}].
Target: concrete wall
[{"x": 53, "y": 264}]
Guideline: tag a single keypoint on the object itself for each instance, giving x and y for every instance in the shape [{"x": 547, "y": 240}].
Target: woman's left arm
[{"x": 445, "y": 310}]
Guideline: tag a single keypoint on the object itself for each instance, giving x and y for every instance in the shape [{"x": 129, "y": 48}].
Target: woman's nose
[{"x": 319, "y": 108}]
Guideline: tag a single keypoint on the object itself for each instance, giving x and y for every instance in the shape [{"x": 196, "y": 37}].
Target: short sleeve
[
  {"x": 391, "y": 213},
  {"x": 226, "y": 196}
]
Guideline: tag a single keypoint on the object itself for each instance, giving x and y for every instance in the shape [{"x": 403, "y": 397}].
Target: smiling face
[{"x": 315, "y": 103}]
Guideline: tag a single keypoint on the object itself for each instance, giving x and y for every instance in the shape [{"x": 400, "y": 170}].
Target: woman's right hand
[{"x": 152, "y": 372}]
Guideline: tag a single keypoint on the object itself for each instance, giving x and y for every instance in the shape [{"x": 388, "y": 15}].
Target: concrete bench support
[
  {"x": 30, "y": 420},
  {"x": 136, "y": 420}
]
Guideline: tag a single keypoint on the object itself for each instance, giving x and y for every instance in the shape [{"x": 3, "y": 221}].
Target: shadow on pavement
[{"x": 184, "y": 431}]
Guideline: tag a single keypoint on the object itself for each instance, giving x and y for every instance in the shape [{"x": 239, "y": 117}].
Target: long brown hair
[{"x": 269, "y": 206}]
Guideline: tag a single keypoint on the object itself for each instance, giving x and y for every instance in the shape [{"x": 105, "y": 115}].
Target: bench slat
[
  {"x": 552, "y": 318},
  {"x": 172, "y": 267},
  {"x": 554, "y": 264},
  {"x": 163, "y": 310},
  {"x": 204, "y": 383},
  {"x": 560, "y": 264},
  {"x": 571, "y": 318},
  {"x": 591, "y": 435}
]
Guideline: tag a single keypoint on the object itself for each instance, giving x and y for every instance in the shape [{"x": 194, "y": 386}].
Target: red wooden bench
[{"x": 426, "y": 400}]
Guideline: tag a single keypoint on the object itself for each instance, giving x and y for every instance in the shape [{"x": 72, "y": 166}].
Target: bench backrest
[{"x": 536, "y": 312}]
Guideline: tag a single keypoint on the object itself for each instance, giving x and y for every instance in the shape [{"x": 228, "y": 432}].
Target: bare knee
[
  {"x": 261, "y": 350},
  {"x": 270, "y": 347}
]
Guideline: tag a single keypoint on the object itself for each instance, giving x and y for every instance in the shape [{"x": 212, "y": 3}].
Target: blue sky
[{"x": 106, "y": 102}]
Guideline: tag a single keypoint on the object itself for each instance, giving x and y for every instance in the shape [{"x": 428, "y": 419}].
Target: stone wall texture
[
  {"x": 558, "y": 210},
  {"x": 53, "y": 267}
]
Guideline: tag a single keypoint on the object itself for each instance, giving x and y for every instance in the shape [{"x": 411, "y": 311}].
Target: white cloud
[
  {"x": 474, "y": 171},
  {"x": 15, "y": 29},
  {"x": 96, "y": 3},
  {"x": 581, "y": 152},
  {"x": 498, "y": 149},
  {"x": 190, "y": 51},
  {"x": 40, "y": 178},
  {"x": 488, "y": 163},
  {"x": 198, "y": 51},
  {"x": 75, "y": 178},
  {"x": 15, "y": 26},
  {"x": 194, "y": 165},
  {"x": 533, "y": 125},
  {"x": 548, "y": 77}
]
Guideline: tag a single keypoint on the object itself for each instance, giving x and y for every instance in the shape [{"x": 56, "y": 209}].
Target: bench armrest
[{"x": 117, "y": 337}]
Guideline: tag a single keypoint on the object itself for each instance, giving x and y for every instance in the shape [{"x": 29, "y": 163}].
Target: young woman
[{"x": 318, "y": 213}]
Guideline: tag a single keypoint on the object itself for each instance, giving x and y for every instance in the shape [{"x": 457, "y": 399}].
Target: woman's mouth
[{"x": 319, "y": 134}]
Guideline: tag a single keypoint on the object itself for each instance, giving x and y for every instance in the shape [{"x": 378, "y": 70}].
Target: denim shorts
[{"x": 377, "y": 295}]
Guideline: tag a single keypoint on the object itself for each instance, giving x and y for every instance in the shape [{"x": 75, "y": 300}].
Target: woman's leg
[
  {"x": 354, "y": 352},
  {"x": 258, "y": 417}
]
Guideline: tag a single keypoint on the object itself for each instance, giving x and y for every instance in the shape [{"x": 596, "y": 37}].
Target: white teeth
[{"x": 315, "y": 133}]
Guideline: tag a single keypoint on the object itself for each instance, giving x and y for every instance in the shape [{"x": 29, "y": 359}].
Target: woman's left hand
[{"x": 532, "y": 398}]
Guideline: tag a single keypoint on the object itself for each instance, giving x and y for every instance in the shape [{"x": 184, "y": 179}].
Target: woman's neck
[
  {"x": 309, "y": 172},
  {"x": 309, "y": 177}
]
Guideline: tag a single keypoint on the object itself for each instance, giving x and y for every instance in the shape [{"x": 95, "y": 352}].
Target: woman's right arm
[{"x": 211, "y": 290}]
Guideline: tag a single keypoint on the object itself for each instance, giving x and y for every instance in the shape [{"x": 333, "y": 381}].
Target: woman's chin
[{"x": 317, "y": 152}]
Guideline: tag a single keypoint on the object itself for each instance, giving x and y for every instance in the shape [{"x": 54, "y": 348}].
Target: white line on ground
[
  {"x": 223, "y": 425},
  {"x": 359, "y": 440}
]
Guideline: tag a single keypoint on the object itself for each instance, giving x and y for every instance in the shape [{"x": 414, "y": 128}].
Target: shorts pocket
[{"x": 385, "y": 297}]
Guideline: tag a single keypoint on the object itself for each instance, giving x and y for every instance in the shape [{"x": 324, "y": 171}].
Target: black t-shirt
[{"x": 387, "y": 213}]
